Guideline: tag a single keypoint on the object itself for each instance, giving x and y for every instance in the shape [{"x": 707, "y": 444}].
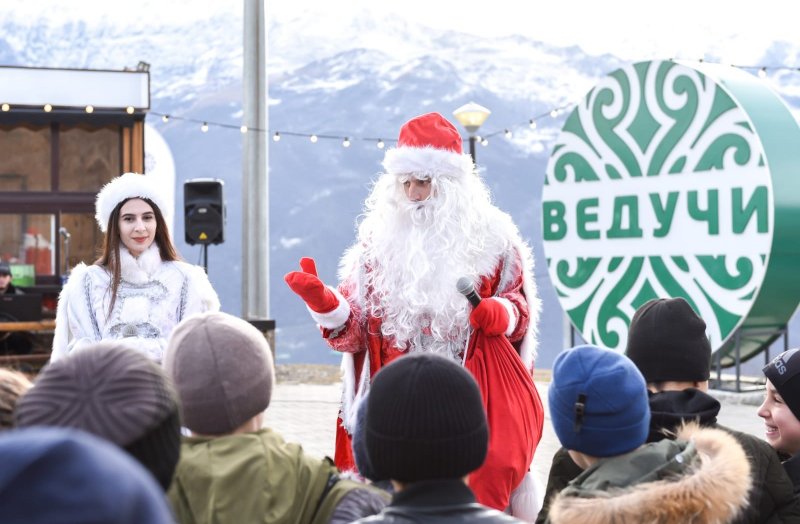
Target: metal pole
[
  {"x": 255, "y": 182},
  {"x": 472, "y": 140}
]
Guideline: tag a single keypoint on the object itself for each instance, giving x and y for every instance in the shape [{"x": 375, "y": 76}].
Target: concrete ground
[{"x": 306, "y": 414}]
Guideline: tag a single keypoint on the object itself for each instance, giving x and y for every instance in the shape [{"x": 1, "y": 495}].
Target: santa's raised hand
[{"x": 310, "y": 288}]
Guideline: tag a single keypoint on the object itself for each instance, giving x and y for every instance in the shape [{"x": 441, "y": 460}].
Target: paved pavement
[{"x": 307, "y": 414}]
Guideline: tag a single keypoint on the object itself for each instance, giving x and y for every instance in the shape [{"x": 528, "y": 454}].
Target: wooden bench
[{"x": 32, "y": 361}]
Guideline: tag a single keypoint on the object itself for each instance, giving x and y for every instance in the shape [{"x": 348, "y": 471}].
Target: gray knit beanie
[
  {"x": 115, "y": 393},
  {"x": 222, "y": 370}
]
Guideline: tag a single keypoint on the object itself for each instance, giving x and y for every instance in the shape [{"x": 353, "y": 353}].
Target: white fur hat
[
  {"x": 428, "y": 146},
  {"x": 129, "y": 185}
]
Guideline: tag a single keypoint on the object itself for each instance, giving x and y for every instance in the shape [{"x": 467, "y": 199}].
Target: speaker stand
[{"x": 205, "y": 257}]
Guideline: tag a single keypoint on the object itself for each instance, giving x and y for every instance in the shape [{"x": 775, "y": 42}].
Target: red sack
[{"x": 515, "y": 414}]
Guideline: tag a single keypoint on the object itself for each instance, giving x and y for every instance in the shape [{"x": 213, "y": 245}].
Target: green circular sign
[{"x": 671, "y": 179}]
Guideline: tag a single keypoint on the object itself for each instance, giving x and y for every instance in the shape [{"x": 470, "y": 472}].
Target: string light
[
  {"x": 6, "y": 107},
  {"x": 129, "y": 110},
  {"x": 346, "y": 141},
  {"x": 89, "y": 109},
  {"x": 48, "y": 108}
]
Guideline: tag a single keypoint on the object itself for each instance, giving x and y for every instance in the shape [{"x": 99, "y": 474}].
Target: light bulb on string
[
  {"x": 90, "y": 109},
  {"x": 380, "y": 144},
  {"x": 484, "y": 142},
  {"x": 276, "y": 137},
  {"x": 129, "y": 110},
  {"x": 6, "y": 107},
  {"x": 532, "y": 123},
  {"x": 554, "y": 113},
  {"x": 204, "y": 127},
  {"x": 165, "y": 118},
  {"x": 507, "y": 132},
  {"x": 762, "y": 73},
  {"x": 346, "y": 142},
  {"x": 48, "y": 108},
  {"x": 243, "y": 129},
  {"x": 313, "y": 139}
]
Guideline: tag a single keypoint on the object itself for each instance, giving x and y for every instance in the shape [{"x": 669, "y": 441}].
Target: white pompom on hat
[
  {"x": 129, "y": 185},
  {"x": 428, "y": 146}
]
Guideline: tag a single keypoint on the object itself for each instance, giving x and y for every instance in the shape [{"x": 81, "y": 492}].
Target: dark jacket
[
  {"x": 437, "y": 502},
  {"x": 12, "y": 290},
  {"x": 792, "y": 467},
  {"x": 771, "y": 498},
  {"x": 702, "y": 476}
]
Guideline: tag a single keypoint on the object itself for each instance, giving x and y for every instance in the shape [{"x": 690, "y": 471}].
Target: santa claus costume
[{"x": 398, "y": 290}]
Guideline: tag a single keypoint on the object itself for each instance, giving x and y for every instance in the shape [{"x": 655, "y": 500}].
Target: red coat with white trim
[{"x": 356, "y": 333}]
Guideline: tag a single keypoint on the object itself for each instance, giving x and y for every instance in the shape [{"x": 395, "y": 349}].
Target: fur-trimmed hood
[{"x": 712, "y": 486}]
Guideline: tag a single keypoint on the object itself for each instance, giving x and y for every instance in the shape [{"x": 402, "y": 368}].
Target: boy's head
[
  {"x": 63, "y": 475},
  {"x": 222, "y": 370},
  {"x": 425, "y": 420},
  {"x": 667, "y": 341},
  {"x": 598, "y": 402},
  {"x": 115, "y": 393},
  {"x": 781, "y": 407},
  {"x": 12, "y": 386}
]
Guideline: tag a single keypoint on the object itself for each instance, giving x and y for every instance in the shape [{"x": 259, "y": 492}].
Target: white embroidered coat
[{"x": 153, "y": 297}]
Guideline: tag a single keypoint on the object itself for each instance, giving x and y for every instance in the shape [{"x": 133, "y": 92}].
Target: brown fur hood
[{"x": 712, "y": 489}]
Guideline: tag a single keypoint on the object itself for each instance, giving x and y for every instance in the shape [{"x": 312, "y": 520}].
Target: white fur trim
[
  {"x": 427, "y": 161},
  {"x": 337, "y": 317},
  {"x": 129, "y": 185},
  {"x": 527, "y": 500},
  {"x": 139, "y": 270},
  {"x": 351, "y": 397},
  {"x": 512, "y": 314}
]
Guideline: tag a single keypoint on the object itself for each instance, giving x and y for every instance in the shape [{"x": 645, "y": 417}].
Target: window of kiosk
[
  {"x": 25, "y": 158},
  {"x": 88, "y": 156},
  {"x": 29, "y": 239}
]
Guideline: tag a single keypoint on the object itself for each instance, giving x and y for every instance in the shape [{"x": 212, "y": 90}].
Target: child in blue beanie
[{"x": 600, "y": 413}]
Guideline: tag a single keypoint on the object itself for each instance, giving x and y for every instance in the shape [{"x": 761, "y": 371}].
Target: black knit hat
[
  {"x": 115, "y": 393},
  {"x": 425, "y": 420},
  {"x": 667, "y": 341},
  {"x": 784, "y": 373}
]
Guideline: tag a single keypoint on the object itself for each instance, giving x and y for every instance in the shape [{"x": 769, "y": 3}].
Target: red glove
[
  {"x": 491, "y": 316},
  {"x": 310, "y": 288}
]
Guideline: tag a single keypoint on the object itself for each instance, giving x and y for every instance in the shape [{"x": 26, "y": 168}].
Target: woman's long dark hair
[{"x": 109, "y": 258}]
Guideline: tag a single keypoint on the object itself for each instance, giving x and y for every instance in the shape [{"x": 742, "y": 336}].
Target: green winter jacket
[{"x": 254, "y": 478}]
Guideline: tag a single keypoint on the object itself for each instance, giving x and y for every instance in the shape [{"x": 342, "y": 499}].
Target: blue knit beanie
[{"x": 598, "y": 402}]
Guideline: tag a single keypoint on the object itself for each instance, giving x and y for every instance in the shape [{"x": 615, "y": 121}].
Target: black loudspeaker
[{"x": 204, "y": 211}]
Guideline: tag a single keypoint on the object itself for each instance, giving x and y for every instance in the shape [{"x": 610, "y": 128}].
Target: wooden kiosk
[{"x": 64, "y": 133}]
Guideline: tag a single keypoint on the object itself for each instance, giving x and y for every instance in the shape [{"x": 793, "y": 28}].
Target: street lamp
[{"x": 471, "y": 116}]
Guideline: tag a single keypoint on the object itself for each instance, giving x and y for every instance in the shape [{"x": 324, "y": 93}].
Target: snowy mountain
[{"x": 363, "y": 81}]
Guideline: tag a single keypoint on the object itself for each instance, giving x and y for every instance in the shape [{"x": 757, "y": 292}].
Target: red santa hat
[
  {"x": 428, "y": 146},
  {"x": 129, "y": 185}
]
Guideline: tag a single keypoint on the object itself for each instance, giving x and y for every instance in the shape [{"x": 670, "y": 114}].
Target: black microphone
[{"x": 465, "y": 287}]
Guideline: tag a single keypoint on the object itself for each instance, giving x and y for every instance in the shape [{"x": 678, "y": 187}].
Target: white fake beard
[{"x": 418, "y": 251}]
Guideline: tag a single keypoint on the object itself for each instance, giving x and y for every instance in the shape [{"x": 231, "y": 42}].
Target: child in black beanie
[
  {"x": 426, "y": 430},
  {"x": 781, "y": 410},
  {"x": 667, "y": 341}
]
